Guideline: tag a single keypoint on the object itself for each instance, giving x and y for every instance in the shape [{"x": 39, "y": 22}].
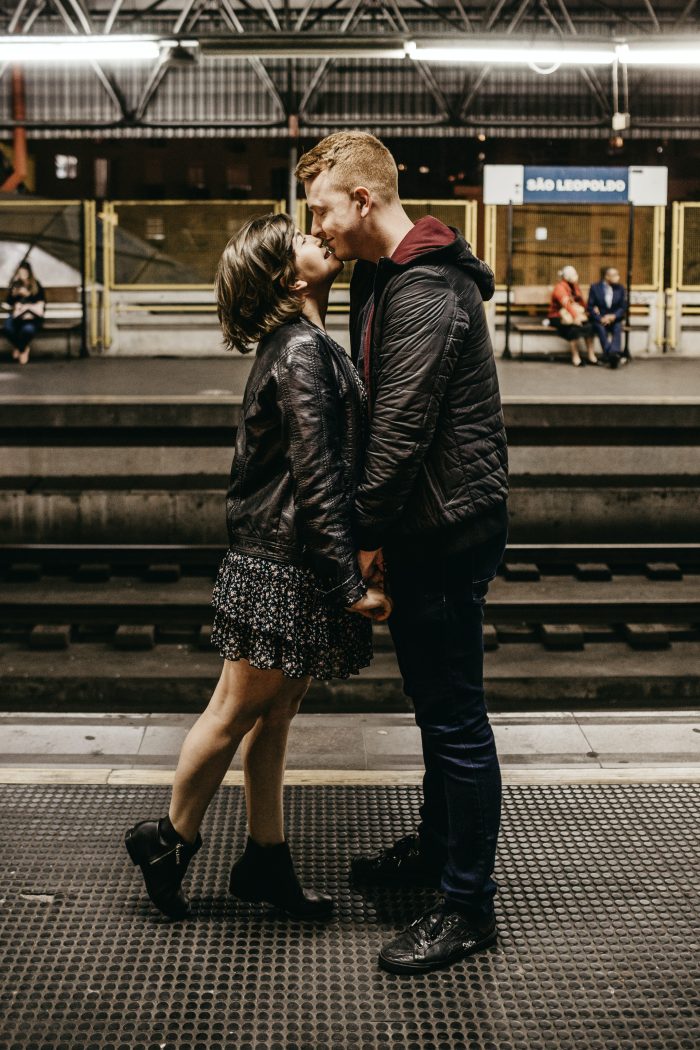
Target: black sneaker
[
  {"x": 439, "y": 938},
  {"x": 403, "y": 864}
]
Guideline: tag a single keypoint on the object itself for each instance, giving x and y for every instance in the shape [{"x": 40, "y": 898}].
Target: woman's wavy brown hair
[
  {"x": 32, "y": 284},
  {"x": 253, "y": 281}
]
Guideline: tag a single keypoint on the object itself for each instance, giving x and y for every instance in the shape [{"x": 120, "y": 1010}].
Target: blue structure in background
[{"x": 547, "y": 185}]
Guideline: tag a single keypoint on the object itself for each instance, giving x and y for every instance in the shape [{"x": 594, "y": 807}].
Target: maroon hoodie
[{"x": 428, "y": 233}]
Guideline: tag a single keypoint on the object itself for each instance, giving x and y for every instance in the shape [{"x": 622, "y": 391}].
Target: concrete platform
[
  {"x": 147, "y": 743},
  {"x": 660, "y": 379}
]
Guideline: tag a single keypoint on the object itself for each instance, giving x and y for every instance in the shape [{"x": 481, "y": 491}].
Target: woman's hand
[
  {"x": 375, "y": 605},
  {"x": 372, "y": 567}
]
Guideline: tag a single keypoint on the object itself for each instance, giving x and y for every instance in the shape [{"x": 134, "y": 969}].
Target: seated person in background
[
  {"x": 607, "y": 306},
  {"x": 27, "y": 302},
  {"x": 567, "y": 313}
]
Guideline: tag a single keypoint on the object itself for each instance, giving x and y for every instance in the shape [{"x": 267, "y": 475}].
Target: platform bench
[{"x": 63, "y": 315}]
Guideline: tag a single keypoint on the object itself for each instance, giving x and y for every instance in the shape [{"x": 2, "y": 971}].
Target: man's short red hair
[{"x": 355, "y": 158}]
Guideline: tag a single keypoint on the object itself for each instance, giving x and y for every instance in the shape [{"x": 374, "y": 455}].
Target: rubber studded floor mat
[{"x": 598, "y": 914}]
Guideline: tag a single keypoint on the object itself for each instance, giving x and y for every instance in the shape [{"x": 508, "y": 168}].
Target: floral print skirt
[{"x": 274, "y": 616}]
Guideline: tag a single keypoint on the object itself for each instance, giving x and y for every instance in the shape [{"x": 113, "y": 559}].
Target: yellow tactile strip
[{"x": 313, "y": 777}]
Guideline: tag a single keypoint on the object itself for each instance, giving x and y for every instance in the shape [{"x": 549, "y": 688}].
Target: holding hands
[{"x": 375, "y": 604}]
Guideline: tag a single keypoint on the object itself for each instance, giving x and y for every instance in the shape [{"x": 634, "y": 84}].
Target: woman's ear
[{"x": 298, "y": 285}]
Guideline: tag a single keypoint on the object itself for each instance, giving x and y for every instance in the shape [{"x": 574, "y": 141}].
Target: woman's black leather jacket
[{"x": 298, "y": 459}]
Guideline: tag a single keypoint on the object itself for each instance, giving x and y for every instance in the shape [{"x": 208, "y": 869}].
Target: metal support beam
[
  {"x": 112, "y": 16},
  {"x": 81, "y": 15},
  {"x": 685, "y": 14},
  {"x": 161, "y": 67},
  {"x": 231, "y": 18},
  {"x": 471, "y": 93},
  {"x": 466, "y": 21},
  {"x": 590, "y": 77},
  {"x": 17, "y": 16},
  {"x": 652, "y": 15},
  {"x": 322, "y": 69}
]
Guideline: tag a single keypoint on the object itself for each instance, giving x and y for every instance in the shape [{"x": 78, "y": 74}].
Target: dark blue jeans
[
  {"x": 437, "y": 627},
  {"x": 20, "y": 333}
]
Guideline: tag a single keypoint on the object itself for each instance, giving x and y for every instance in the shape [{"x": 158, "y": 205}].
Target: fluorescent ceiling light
[
  {"x": 69, "y": 49},
  {"x": 516, "y": 54},
  {"x": 658, "y": 55}
]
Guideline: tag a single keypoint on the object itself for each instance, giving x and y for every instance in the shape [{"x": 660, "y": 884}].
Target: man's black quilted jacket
[{"x": 436, "y": 467}]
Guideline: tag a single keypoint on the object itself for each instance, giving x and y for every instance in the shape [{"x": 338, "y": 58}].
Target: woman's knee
[
  {"x": 245, "y": 694},
  {"x": 283, "y": 707},
  {"x": 232, "y": 705}
]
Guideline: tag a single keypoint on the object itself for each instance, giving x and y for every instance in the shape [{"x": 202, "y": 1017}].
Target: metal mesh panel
[
  {"x": 452, "y": 213},
  {"x": 176, "y": 243},
  {"x": 589, "y": 237},
  {"x": 690, "y": 256},
  {"x": 48, "y": 234}
]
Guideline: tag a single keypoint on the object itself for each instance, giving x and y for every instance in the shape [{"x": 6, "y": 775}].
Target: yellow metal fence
[
  {"x": 59, "y": 238},
  {"x": 683, "y": 292},
  {"x": 589, "y": 237},
  {"x": 172, "y": 248}
]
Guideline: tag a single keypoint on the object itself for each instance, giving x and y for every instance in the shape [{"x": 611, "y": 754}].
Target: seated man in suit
[{"x": 607, "y": 306}]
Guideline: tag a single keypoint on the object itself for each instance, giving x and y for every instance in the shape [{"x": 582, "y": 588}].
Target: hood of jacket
[{"x": 432, "y": 243}]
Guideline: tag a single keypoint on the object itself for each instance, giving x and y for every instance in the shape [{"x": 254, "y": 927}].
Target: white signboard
[
  {"x": 516, "y": 183},
  {"x": 503, "y": 183},
  {"x": 648, "y": 186}
]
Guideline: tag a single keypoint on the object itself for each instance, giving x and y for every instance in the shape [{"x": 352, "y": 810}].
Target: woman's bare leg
[
  {"x": 242, "y": 695},
  {"x": 264, "y": 754}
]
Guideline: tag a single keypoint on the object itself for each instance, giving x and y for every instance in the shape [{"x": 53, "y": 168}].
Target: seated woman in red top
[{"x": 568, "y": 314}]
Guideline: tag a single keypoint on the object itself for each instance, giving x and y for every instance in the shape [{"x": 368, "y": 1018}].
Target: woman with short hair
[
  {"x": 27, "y": 302},
  {"x": 568, "y": 314},
  {"x": 290, "y": 600}
]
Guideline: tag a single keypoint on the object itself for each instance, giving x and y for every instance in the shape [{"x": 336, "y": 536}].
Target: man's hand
[
  {"x": 608, "y": 318},
  {"x": 375, "y": 605},
  {"x": 371, "y": 564}
]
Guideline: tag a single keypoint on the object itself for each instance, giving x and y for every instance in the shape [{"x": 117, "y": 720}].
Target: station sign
[
  {"x": 575, "y": 185},
  {"x": 529, "y": 184}
]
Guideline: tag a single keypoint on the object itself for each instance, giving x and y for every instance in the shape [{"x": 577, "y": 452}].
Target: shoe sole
[
  {"x": 418, "y": 968},
  {"x": 131, "y": 847},
  {"x": 396, "y": 884},
  {"x": 320, "y": 917}
]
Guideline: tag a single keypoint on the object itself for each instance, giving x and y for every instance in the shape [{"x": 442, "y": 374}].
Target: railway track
[
  {"x": 103, "y": 588},
  {"x": 126, "y": 628},
  {"x": 165, "y": 588}
]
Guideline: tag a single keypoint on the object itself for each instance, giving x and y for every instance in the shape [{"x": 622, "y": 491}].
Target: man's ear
[
  {"x": 363, "y": 197},
  {"x": 298, "y": 285}
]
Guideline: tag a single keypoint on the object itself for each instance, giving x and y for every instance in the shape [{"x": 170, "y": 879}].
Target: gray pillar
[{"x": 292, "y": 188}]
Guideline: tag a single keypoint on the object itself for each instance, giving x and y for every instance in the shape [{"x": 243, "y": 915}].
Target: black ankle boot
[
  {"x": 265, "y": 874},
  {"x": 163, "y": 857}
]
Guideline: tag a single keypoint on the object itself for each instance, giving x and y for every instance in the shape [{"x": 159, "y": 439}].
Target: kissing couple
[{"x": 392, "y": 467}]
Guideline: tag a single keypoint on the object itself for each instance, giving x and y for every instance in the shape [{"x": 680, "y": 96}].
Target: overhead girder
[{"x": 353, "y": 29}]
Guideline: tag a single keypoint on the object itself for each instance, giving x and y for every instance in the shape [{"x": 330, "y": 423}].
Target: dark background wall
[{"x": 240, "y": 168}]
